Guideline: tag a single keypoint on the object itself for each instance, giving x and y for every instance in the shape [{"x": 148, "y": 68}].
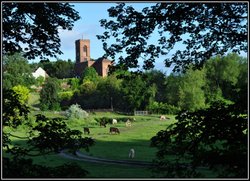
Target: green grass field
[
  {"x": 110, "y": 146},
  {"x": 116, "y": 146}
]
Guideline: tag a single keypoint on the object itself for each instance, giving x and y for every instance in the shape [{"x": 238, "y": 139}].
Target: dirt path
[{"x": 82, "y": 157}]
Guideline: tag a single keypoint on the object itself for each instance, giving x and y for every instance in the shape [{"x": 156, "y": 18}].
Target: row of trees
[
  {"x": 59, "y": 69},
  {"x": 222, "y": 78},
  {"x": 17, "y": 70}
]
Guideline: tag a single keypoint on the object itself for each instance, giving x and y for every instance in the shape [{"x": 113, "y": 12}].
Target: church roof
[{"x": 101, "y": 59}]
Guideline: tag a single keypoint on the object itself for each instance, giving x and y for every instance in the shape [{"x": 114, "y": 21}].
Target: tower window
[{"x": 85, "y": 49}]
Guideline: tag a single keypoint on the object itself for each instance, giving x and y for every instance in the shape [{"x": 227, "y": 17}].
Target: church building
[{"x": 83, "y": 60}]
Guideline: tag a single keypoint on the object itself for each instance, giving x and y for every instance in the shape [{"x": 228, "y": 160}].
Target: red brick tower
[{"x": 82, "y": 50}]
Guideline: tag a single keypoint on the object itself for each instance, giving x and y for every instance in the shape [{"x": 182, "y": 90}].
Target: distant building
[
  {"x": 83, "y": 60},
  {"x": 40, "y": 72}
]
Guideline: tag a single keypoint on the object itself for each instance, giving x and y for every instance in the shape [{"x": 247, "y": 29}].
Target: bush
[
  {"x": 74, "y": 83},
  {"x": 169, "y": 109},
  {"x": 89, "y": 122},
  {"x": 104, "y": 119},
  {"x": 39, "y": 81},
  {"x": 75, "y": 112},
  {"x": 22, "y": 92},
  {"x": 49, "y": 95},
  {"x": 162, "y": 108},
  {"x": 80, "y": 123},
  {"x": 123, "y": 119},
  {"x": 65, "y": 95}
]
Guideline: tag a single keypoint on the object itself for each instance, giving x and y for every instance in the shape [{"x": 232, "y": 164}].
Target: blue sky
[{"x": 89, "y": 26}]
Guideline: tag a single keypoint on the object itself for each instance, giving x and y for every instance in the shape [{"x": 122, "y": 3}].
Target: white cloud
[
  {"x": 87, "y": 31},
  {"x": 68, "y": 38}
]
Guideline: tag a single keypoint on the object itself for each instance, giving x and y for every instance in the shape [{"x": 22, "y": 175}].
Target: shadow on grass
[
  {"x": 119, "y": 150},
  {"x": 101, "y": 170}
]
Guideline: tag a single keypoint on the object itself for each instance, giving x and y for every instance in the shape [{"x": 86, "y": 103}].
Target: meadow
[{"x": 108, "y": 146}]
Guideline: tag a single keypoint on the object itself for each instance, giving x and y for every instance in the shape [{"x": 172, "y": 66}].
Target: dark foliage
[
  {"x": 13, "y": 110},
  {"x": 24, "y": 168},
  {"x": 52, "y": 136},
  {"x": 49, "y": 99},
  {"x": 35, "y": 25},
  {"x": 206, "y": 29},
  {"x": 215, "y": 138}
]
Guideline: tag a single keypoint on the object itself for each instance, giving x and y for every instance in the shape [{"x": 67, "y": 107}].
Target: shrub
[
  {"x": 89, "y": 122},
  {"x": 40, "y": 80},
  {"x": 106, "y": 119},
  {"x": 74, "y": 83},
  {"x": 123, "y": 119},
  {"x": 75, "y": 112},
  {"x": 162, "y": 108},
  {"x": 67, "y": 95},
  {"x": 22, "y": 92},
  {"x": 49, "y": 95}
]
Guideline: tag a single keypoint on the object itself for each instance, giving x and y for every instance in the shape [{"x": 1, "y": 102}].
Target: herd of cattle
[
  {"x": 115, "y": 130},
  {"x": 111, "y": 129}
]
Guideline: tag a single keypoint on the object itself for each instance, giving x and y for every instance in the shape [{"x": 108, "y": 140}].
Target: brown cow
[
  {"x": 86, "y": 130},
  {"x": 114, "y": 130},
  {"x": 103, "y": 123}
]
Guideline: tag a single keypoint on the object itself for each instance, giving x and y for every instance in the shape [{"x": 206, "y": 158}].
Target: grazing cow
[
  {"x": 103, "y": 123},
  {"x": 128, "y": 123},
  {"x": 114, "y": 121},
  {"x": 162, "y": 117},
  {"x": 131, "y": 153},
  {"x": 86, "y": 130},
  {"x": 114, "y": 130}
]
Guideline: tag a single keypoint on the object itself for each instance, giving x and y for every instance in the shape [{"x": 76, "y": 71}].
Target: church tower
[
  {"x": 83, "y": 61},
  {"x": 82, "y": 50}
]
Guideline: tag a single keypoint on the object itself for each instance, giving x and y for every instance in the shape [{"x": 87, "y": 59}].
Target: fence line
[
  {"x": 99, "y": 110},
  {"x": 140, "y": 112}
]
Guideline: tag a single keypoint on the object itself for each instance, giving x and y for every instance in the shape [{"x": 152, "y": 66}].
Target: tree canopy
[
  {"x": 49, "y": 95},
  {"x": 16, "y": 71},
  {"x": 214, "y": 137},
  {"x": 206, "y": 29},
  {"x": 33, "y": 28}
]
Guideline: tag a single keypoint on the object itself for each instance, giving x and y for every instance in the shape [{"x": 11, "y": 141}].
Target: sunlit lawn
[{"x": 110, "y": 146}]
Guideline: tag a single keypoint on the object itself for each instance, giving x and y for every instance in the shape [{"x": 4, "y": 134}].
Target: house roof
[{"x": 41, "y": 69}]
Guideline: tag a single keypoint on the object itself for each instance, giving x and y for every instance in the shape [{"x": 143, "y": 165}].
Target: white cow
[
  {"x": 128, "y": 123},
  {"x": 114, "y": 121},
  {"x": 131, "y": 153},
  {"x": 162, "y": 117}
]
